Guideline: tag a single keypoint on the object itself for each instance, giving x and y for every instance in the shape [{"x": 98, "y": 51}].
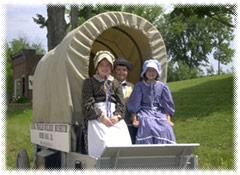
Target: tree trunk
[
  {"x": 74, "y": 16},
  {"x": 56, "y": 25},
  {"x": 88, "y": 12},
  {"x": 219, "y": 67}
]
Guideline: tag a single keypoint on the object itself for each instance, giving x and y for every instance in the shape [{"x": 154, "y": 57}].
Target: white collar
[
  {"x": 123, "y": 82},
  {"x": 97, "y": 77}
]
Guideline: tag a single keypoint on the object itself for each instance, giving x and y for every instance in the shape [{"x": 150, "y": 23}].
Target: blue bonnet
[{"x": 153, "y": 64}]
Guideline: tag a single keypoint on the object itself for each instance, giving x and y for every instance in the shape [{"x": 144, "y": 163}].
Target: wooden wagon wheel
[{"x": 22, "y": 161}]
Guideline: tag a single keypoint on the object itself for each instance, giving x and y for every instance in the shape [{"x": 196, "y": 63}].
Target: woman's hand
[
  {"x": 115, "y": 119},
  {"x": 105, "y": 120},
  {"x": 169, "y": 120},
  {"x": 135, "y": 121}
]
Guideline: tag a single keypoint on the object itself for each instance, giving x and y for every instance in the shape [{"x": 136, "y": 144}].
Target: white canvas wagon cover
[{"x": 59, "y": 75}]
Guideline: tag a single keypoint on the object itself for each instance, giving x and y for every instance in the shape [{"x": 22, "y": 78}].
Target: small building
[{"x": 24, "y": 65}]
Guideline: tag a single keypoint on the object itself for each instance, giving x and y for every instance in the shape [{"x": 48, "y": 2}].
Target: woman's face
[
  {"x": 151, "y": 73},
  {"x": 104, "y": 68}
]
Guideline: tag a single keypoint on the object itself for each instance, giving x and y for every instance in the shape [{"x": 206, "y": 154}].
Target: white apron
[{"x": 100, "y": 135}]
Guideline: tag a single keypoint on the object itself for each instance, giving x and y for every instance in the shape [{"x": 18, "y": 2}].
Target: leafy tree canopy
[{"x": 191, "y": 33}]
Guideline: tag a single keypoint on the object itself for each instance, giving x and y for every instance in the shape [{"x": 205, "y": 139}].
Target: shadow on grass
[
  {"x": 15, "y": 108},
  {"x": 204, "y": 99}
]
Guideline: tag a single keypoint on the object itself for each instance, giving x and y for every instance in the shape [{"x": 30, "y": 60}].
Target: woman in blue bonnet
[{"x": 152, "y": 107}]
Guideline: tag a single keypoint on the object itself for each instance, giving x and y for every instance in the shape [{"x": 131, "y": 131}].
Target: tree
[
  {"x": 182, "y": 71},
  {"x": 88, "y": 11},
  {"x": 210, "y": 71},
  {"x": 9, "y": 72},
  {"x": 149, "y": 12},
  {"x": 38, "y": 48},
  {"x": 191, "y": 33},
  {"x": 56, "y": 24},
  {"x": 219, "y": 13},
  {"x": 223, "y": 54},
  {"x": 16, "y": 45},
  {"x": 74, "y": 16}
]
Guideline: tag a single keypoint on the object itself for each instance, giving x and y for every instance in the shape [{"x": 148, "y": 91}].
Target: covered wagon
[{"x": 57, "y": 88}]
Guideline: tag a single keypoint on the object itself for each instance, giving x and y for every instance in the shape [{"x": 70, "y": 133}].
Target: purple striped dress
[{"x": 151, "y": 102}]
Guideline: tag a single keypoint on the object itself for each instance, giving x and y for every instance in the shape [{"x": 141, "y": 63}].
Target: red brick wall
[
  {"x": 25, "y": 65},
  {"x": 19, "y": 67}
]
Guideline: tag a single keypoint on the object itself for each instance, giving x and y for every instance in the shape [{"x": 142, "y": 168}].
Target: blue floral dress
[{"x": 151, "y": 103}]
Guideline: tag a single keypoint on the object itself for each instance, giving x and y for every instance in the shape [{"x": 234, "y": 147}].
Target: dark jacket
[{"x": 93, "y": 92}]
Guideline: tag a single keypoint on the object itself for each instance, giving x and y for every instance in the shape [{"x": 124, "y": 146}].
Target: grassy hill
[{"x": 204, "y": 114}]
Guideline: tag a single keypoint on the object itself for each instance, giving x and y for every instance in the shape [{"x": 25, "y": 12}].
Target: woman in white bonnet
[
  {"x": 152, "y": 107},
  {"x": 103, "y": 107}
]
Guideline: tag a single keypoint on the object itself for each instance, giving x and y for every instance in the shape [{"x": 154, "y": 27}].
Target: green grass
[
  {"x": 18, "y": 133},
  {"x": 204, "y": 114}
]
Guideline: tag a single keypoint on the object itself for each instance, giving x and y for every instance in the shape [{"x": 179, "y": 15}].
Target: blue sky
[{"x": 19, "y": 23}]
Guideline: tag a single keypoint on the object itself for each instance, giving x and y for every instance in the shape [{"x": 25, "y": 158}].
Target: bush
[
  {"x": 22, "y": 100},
  {"x": 181, "y": 71}
]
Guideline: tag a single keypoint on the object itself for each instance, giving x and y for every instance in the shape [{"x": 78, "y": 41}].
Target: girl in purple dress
[{"x": 151, "y": 106}]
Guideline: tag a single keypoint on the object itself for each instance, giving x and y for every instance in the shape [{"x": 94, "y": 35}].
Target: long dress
[
  {"x": 151, "y": 103},
  {"x": 96, "y": 101}
]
